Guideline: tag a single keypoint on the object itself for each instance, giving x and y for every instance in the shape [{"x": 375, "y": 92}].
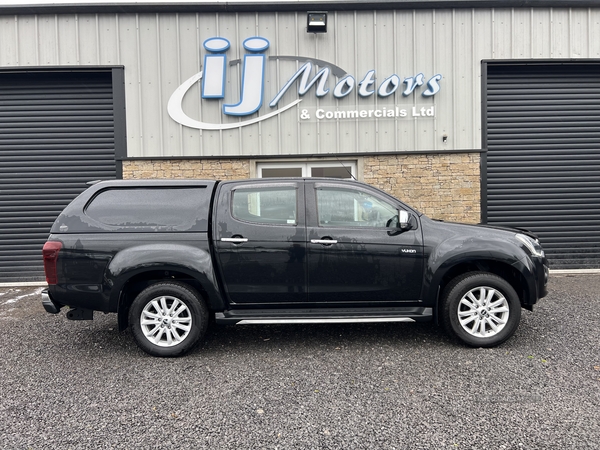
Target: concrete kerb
[
  {"x": 575, "y": 272},
  {"x": 24, "y": 284}
]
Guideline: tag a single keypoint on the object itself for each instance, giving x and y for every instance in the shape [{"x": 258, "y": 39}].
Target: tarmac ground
[{"x": 80, "y": 385}]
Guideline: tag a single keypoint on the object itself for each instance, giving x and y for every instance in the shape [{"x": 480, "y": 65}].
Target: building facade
[{"x": 468, "y": 111}]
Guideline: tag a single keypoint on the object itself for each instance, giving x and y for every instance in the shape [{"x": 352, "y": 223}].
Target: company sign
[{"x": 214, "y": 76}]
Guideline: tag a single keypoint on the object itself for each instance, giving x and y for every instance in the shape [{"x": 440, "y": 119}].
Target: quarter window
[{"x": 266, "y": 205}]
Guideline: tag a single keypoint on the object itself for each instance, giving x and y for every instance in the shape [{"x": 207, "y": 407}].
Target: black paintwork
[
  {"x": 271, "y": 267},
  {"x": 367, "y": 265},
  {"x": 101, "y": 267}
]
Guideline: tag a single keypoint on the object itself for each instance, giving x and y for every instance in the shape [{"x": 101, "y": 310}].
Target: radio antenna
[{"x": 347, "y": 170}]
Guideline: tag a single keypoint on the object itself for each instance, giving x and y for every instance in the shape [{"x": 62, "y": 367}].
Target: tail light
[{"x": 50, "y": 254}]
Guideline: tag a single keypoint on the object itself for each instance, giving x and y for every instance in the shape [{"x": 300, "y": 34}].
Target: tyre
[
  {"x": 168, "y": 319},
  {"x": 480, "y": 309}
]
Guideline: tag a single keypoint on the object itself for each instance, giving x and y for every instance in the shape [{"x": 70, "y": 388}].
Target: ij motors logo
[{"x": 213, "y": 79}]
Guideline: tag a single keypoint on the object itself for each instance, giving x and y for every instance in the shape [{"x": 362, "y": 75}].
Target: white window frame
[{"x": 306, "y": 166}]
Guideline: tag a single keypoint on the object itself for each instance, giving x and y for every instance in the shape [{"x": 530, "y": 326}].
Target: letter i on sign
[{"x": 213, "y": 79}]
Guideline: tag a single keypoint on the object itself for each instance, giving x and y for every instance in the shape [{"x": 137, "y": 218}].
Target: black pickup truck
[{"x": 168, "y": 256}]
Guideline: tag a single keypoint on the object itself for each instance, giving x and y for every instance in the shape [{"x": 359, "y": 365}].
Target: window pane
[
  {"x": 165, "y": 208},
  {"x": 350, "y": 208},
  {"x": 332, "y": 172},
  {"x": 275, "y": 206},
  {"x": 282, "y": 172}
]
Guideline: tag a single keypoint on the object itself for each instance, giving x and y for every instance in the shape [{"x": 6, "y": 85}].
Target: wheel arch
[
  {"x": 136, "y": 281},
  {"x": 513, "y": 274}
]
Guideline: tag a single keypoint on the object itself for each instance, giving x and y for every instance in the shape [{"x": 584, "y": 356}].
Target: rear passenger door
[{"x": 260, "y": 236}]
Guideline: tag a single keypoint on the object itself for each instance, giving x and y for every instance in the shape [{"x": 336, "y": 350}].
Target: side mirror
[
  {"x": 403, "y": 219},
  {"x": 401, "y": 223}
]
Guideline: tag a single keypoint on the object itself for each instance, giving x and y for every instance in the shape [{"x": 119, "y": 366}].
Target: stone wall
[
  {"x": 212, "y": 169},
  {"x": 443, "y": 186}
]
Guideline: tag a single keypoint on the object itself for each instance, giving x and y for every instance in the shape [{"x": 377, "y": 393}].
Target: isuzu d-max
[{"x": 167, "y": 256}]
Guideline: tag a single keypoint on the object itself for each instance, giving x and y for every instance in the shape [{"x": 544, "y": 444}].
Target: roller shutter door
[
  {"x": 56, "y": 134},
  {"x": 543, "y": 160}
]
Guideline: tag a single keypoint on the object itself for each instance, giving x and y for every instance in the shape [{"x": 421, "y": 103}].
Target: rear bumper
[{"x": 50, "y": 305}]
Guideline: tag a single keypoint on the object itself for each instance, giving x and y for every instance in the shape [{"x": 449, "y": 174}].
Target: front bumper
[
  {"x": 50, "y": 305},
  {"x": 544, "y": 287}
]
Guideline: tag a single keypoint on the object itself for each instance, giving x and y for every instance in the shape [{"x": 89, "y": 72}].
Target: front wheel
[
  {"x": 481, "y": 309},
  {"x": 168, "y": 319}
]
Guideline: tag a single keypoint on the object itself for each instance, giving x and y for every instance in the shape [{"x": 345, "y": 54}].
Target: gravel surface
[{"x": 79, "y": 385}]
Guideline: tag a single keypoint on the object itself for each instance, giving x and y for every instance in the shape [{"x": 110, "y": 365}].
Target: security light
[{"x": 316, "y": 22}]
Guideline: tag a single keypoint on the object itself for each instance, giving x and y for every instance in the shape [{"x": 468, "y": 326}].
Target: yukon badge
[{"x": 408, "y": 250}]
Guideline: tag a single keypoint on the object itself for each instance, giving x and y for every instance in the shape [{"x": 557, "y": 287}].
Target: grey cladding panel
[
  {"x": 543, "y": 162},
  {"x": 56, "y": 134}
]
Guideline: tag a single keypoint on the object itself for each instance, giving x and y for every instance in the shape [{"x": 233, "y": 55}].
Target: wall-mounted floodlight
[{"x": 316, "y": 22}]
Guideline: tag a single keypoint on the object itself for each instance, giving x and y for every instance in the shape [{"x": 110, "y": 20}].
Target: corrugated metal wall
[
  {"x": 56, "y": 134},
  {"x": 160, "y": 51}
]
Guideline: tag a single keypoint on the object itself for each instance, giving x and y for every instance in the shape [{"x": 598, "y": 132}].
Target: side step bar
[
  {"x": 329, "y": 315},
  {"x": 324, "y": 320}
]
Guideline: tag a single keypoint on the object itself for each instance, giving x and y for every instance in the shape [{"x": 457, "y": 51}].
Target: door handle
[
  {"x": 235, "y": 240},
  {"x": 323, "y": 241}
]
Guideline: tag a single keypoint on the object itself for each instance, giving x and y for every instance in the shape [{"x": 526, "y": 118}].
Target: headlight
[{"x": 533, "y": 245}]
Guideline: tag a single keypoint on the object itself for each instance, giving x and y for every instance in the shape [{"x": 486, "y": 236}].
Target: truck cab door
[
  {"x": 260, "y": 239},
  {"x": 357, "y": 252}
]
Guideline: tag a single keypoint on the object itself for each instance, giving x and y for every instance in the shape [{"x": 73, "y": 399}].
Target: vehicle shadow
[
  {"x": 256, "y": 338},
  {"x": 103, "y": 336}
]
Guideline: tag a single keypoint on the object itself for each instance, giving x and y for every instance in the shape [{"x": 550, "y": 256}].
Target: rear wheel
[
  {"x": 168, "y": 319},
  {"x": 481, "y": 309}
]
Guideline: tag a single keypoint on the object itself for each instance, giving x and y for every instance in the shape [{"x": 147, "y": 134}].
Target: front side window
[
  {"x": 266, "y": 205},
  {"x": 339, "y": 207}
]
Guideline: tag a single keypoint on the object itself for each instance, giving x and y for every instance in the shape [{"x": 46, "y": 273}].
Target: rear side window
[
  {"x": 266, "y": 205},
  {"x": 154, "y": 209}
]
